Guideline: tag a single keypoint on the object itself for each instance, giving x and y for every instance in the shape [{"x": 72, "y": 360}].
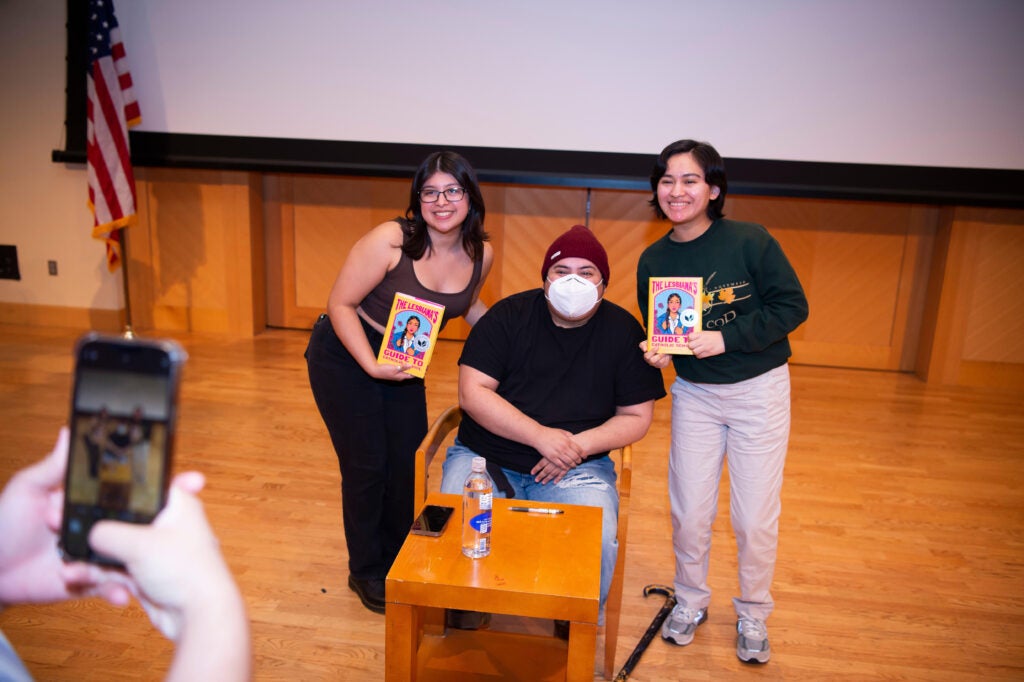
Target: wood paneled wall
[
  {"x": 196, "y": 256},
  {"x": 891, "y": 286},
  {"x": 973, "y": 332}
]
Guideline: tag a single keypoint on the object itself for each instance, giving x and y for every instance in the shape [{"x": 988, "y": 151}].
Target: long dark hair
[
  {"x": 405, "y": 329},
  {"x": 417, "y": 239},
  {"x": 708, "y": 158}
]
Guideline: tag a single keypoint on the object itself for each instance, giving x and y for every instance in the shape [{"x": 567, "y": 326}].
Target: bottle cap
[{"x": 479, "y": 464}]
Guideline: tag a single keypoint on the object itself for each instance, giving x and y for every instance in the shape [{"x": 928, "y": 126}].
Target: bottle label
[
  {"x": 485, "y": 500},
  {"x": 481, "y": 522}
]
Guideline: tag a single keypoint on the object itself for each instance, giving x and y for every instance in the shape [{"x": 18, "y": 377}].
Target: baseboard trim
[
  {"x": 33, "y": 315},
  {"x": 1002, "y": 375}
]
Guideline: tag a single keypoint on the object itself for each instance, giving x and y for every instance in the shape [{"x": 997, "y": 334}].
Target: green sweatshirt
[{"x": 751, "y": 295}]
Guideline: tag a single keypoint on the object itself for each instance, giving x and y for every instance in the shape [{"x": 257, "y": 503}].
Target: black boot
[{"x": 370, "y": 592}]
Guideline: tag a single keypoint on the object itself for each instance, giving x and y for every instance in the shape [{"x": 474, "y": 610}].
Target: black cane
[{"x": 641, "y": 646}]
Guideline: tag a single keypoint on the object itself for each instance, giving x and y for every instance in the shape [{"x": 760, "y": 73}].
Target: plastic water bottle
[{"x": 476, "y": 511}]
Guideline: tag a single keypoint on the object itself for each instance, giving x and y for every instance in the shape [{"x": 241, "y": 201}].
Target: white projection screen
[{"x": 817, "y": 97}]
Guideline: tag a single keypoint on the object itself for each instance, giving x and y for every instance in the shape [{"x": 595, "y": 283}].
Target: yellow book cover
[
  {"x": 673, "y": 311},
  {"x": 411, "y": 333}
]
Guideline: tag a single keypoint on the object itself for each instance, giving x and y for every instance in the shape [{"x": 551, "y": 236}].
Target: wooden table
[{"x": 540, "y": 566}]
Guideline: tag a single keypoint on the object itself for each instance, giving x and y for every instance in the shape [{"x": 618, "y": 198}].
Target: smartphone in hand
[{"x": 123, "y": 414}]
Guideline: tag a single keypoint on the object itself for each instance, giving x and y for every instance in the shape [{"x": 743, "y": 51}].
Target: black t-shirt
[{"x": 571, "y": 379}]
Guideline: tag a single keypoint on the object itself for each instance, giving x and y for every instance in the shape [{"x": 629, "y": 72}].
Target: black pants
[{"x": 375, "y": 427}]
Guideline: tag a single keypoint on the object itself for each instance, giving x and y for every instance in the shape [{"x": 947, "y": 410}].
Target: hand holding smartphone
[{"x": 122, "y": 424}]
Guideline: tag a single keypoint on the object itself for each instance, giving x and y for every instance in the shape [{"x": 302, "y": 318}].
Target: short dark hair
[
  {"x": 710, "y": 161},
  {"x": 417, "y": 239}
]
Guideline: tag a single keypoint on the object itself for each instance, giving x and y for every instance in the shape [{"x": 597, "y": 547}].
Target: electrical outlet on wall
[{"x": 9, "y": 262}]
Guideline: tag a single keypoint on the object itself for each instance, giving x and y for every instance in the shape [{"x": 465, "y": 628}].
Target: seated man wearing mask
[{"x": 550, "y": 381}]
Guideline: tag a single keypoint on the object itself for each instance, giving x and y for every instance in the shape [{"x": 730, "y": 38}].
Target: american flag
[{"x": 111, "y": 109}]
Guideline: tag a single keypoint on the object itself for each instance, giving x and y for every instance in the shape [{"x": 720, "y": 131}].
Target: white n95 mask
[{"x": 572, "y": 295}]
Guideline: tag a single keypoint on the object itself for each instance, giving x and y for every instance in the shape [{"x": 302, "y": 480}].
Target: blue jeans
[{"x": 591, "y": 484}]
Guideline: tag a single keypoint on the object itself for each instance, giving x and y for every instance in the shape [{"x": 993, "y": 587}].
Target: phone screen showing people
[{"x": 122, "y": 429}]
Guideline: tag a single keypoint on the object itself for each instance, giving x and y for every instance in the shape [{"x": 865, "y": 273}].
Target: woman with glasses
[{"x": 376, "y": 414}]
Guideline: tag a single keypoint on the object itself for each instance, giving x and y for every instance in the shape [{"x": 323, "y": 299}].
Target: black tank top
[{"x": 377, "y": 304}]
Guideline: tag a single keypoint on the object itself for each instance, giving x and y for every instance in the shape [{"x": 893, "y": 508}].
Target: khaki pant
[{"x": 747, "y": 425}]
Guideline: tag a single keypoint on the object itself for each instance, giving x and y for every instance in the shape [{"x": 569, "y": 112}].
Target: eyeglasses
[{"x": 429, "y": 196}]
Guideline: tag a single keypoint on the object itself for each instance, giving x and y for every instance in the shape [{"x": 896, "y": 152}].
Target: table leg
[
  {"x": 579, "y": 666},
  {"x": 432, "y": 621},
  {"x": 400, "y": 643}
]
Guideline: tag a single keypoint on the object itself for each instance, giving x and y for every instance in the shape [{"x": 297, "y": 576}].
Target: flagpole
[
  {"x": 112, "y": 110},
  {"x": 128, "y": 332}
]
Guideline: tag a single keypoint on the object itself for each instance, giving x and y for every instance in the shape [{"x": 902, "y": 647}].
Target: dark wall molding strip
[{"x": 597, "y": 170}]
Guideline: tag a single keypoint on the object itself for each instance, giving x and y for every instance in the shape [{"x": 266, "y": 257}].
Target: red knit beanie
[{"x": 578, "y": 242}]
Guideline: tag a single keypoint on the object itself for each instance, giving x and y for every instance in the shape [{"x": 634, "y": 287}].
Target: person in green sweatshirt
[{"x": 732, "y": 395}]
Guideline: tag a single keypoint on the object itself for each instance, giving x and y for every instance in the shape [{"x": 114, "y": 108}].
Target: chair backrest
[
  {"x": 439, "y": 431},
  {"x": 448, "y": 422}
]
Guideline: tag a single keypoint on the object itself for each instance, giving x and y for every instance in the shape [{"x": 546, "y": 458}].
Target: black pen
[{"x": 537, "y": 510}]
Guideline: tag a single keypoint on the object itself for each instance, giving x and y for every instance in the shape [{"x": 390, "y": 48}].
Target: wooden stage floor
[{"x": 902, "y": 530}]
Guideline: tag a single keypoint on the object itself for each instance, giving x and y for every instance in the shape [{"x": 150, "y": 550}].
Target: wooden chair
[{"x": 447, "y": 424}]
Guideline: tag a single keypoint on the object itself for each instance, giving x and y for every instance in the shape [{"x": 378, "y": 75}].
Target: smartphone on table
[
  {"x": 432, "y": 520},
  {"x": 123, "y": 413}
]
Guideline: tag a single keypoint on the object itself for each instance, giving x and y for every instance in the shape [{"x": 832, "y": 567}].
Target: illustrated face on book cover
[
  {"x": 672, "y": 320},
  {"x": 413, "y": 336}
]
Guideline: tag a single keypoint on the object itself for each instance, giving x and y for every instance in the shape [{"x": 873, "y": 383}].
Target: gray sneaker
[
  {"x": 681, "y": 624},
  {"x": 752, "y": 641}
]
